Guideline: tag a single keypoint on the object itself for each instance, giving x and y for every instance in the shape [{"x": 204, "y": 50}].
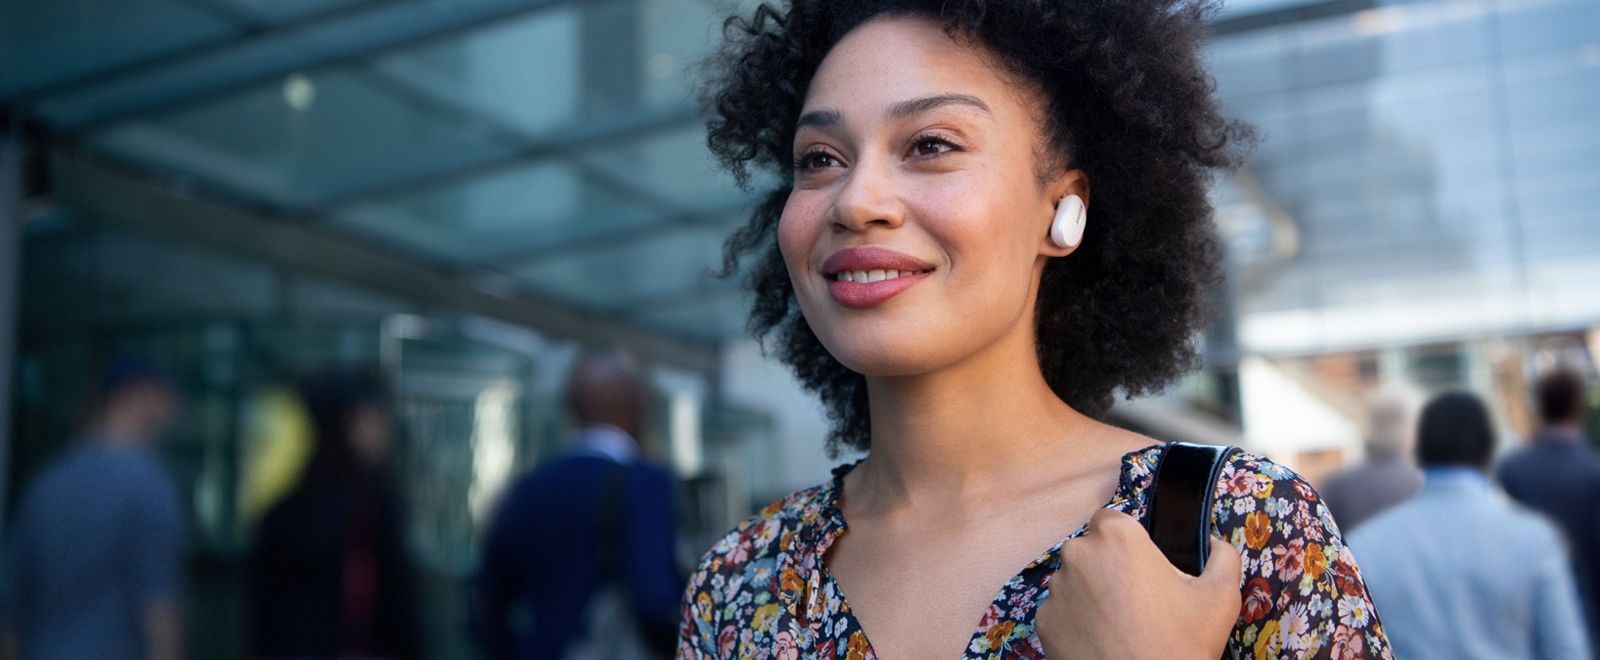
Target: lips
[{"x": 867, "y": 276}]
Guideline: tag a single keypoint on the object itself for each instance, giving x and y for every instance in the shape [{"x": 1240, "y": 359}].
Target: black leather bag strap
[{"x": 1179, "y": 517}]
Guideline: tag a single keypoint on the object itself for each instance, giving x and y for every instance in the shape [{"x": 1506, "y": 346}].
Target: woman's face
[{"x": 917, "y": 155}]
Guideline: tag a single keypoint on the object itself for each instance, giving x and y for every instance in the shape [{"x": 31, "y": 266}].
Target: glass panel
[
  {"x": 308, "y": 138},
  {"x": 49, "y": 41},
  {"x": 498, "y": 217},
  {"x": 1436, "y": 190},
  {"x": 634, "y": 275},
  {"x": 676, "y": 166},
  {"x": 285, "y": 10},
  {"x": 717, "y": 314},
  {"x": 524, "y": 73}
]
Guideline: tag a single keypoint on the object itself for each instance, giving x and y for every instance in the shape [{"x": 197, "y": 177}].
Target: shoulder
[
  {"x": 1262, "y": 507},
  {"x": 747, "y": 556},
  {"x": 651, "y": 476},
  {"x": 1520, "y": 460},
  {"x": 772, "y": 530},
  {"x": 1250, "y": 484},
  {"x": 1302, "y": 590},
  {"x": 1521, "y": 522}
]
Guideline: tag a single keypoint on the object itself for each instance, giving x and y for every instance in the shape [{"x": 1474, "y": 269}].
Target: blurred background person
[
  {"x": 1558, "y": 475},
  {"x": 585, "y": 545},
  {"x": 95, "y": 559},
  {"x": 330, "y": 574},
  {"x": 1388, "y": 476},
  {"x": 1458, "y": 571}
]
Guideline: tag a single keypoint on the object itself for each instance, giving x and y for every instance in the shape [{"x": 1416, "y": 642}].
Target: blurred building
[
  {"x": 1420, "y": 211},
  {"x": 465, "y": 192}
]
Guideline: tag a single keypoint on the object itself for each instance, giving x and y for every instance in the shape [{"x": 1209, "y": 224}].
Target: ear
[{"x": 1069, "y": 182}]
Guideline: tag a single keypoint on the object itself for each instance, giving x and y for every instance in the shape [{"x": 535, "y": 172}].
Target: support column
[{"x": 11, "y": 191}]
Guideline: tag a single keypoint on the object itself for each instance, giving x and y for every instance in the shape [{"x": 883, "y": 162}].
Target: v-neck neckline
[{"x": 1126, "y": 493}]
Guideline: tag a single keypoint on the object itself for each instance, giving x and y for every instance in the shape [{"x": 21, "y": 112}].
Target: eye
[
  {"x": 931, "y": 145},
  {"x": 815, "y": 159}
]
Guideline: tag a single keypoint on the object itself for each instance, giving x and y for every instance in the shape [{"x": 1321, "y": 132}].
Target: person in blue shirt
[
  {"x": 94, "y": 563},
  {"x": 594, "y": 523},
  {"x": 1460, "y": 571}
]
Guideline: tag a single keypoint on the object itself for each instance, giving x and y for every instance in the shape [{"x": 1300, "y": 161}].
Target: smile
[{"x": 867, "y": 276}]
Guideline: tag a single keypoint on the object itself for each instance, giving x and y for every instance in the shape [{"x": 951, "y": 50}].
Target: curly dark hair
[{"x": 1128, "y": 102}]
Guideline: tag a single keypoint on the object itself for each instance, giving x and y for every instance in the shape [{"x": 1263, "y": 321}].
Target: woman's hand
[{"x": 1117, "y": 596}]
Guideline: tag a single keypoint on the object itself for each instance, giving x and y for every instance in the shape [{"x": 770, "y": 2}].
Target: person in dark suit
[
  {"x": 1558, "y": 474},
  {"x": 592, "y": 530},
  {"x": 330, "y": 575}
]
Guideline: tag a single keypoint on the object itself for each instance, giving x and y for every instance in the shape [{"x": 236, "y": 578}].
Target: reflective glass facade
[{"x": 1437, "y": 161}]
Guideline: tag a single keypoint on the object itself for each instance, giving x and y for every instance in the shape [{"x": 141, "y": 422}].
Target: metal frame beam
[
  {"x": 1288, "y": 15},
  {"x": 255, "y": 27},
  {"x": 12, "y": 164},
  {"x": 555, "y": 145},
  {"x": 565, "y": 142},
  {"x": 124, "y": 200},
  {"x": 273, "y": 54},
  {"x": 615, "y": 237},
  {"x": 707, "y": 288}
]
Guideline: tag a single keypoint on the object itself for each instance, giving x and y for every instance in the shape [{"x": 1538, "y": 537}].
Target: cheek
[
  {"x": 798, "y": 233},
  {"x": 986, "y": 229}
]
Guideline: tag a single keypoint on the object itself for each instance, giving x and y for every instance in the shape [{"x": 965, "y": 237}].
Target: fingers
[
  {"x": 1114, "y": 522},
  {"x": 1224, "y": 567},
  {"x": 1106, "y": 527},
  {"x": 1111, "y": 533}
]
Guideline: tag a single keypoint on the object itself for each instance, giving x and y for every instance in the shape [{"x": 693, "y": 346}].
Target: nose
[{"x": 870, "y": 198}]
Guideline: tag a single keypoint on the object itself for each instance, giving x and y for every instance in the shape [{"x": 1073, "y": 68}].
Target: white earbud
[{"x": 1067, "y": 229}]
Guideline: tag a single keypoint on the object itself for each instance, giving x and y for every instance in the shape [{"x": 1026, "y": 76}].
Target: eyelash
[
  {"x": 935, "y": 139},
  {"x": 804, "y": 160}
]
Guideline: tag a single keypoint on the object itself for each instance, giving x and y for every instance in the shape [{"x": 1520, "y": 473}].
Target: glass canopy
[{"x": 1428, "y": 169}]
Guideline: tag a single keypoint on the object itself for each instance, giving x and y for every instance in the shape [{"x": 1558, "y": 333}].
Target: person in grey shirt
[
  {"x": 1459, "y": 571},
  {"x": 1388, "y": 476},
  {"x": 93, "y": 564}
]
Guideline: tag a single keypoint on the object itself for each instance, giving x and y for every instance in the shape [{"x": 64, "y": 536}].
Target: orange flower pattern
[{"x": 762, "y": 593}]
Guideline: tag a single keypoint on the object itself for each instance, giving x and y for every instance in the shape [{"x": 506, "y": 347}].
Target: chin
[{"x": 885, "y": 348}]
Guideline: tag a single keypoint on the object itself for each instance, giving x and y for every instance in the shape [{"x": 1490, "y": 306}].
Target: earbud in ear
[{"x": 1067, "y": 229}]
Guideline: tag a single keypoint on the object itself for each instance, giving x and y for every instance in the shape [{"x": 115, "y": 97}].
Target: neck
[
  {"x": 122, "y": 432},
  {"x": 1386, "y": 453},
  {"x": 988, "y": 422}
]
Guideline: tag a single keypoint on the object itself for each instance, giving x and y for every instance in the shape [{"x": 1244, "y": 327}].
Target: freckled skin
[{"x": 972, "y": 205}]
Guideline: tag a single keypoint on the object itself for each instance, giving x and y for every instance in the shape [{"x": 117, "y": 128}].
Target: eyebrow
[
  {"x": 819, "y": 119},
  {"x": 901, "y": 110},
  {"x": 918, "y": 106}
]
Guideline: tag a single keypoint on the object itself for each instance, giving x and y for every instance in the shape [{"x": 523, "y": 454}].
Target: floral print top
[{"x": 763, "y": 592}]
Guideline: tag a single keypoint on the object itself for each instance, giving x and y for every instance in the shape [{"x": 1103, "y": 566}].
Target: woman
[
  {"x": 331, "y": 579},
  {"x": 920, "y": 268}
]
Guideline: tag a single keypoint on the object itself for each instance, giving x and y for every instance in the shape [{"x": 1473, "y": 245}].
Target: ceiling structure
[
  {"x": 546, "y": 148},
  {"x": 550, "y": 149}
]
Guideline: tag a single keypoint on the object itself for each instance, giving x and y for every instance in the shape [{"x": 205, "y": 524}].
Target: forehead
[{"x": 888, "y": 60}]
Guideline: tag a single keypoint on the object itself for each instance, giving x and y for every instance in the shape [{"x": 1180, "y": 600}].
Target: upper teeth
[{"x": 872, "y": 275}]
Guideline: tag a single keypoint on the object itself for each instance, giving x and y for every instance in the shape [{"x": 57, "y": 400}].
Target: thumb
[{"x": 1224, "y": 567}]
